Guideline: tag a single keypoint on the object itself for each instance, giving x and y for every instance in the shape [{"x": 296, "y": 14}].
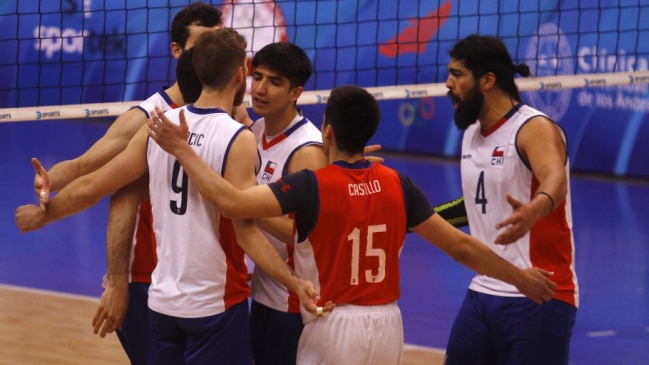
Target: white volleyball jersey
[
  {"x": 275, "y": 156},
  {"x": 201, "y": 270},
  {"x": 143, "y": 256},
  {"x": 159, "y": 99},
  {"x": 492, "y": 168}
]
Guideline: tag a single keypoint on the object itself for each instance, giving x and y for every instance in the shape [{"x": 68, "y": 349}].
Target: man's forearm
[
  {"x": 119, "y": 237},
  {"x": 263, "y": 253},
  {"x": 62, "y": 174}
]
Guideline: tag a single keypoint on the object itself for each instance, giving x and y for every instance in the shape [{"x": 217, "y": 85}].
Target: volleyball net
[
  {"x": 63, "y": 52},
  {"x": 66, "y": 59}
]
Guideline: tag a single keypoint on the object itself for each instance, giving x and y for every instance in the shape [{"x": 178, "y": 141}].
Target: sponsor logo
[
  {"x": 416, "y": 93},
  {"x": 96, "y": 112},
  {"x": 416, "y": 36},
  {"x": 466, "y": 157},
  {"x": 43, "y": 115},
  {"x": 594, "y": 82},
  {"x": 639, "y": 79},
  {"x": 322, "y": 98},
  {"x": 550, "y": 85},
  {"x": 283, "y": 187},
  {"x": 53, "y": 39}
]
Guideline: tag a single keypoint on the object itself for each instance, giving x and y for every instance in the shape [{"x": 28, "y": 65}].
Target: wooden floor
[{"x": 41, "y": 327}]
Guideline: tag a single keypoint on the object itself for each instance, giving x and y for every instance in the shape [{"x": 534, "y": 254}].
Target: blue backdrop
[{"x": 87, "y": 51}]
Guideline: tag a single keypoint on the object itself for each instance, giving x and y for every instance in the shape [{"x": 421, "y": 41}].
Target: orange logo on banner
[{"x": 415, "y": 38}]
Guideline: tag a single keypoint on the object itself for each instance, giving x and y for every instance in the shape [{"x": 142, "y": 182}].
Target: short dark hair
[
  {"x": 217, "y": 55},
  {"x": 188, "y": 82},
  {"x": 354, "y": 115},
  {"x": 482, "y": 54},
  {"x": 200, "y": 14},
  {"x": 287, "y": 59}
]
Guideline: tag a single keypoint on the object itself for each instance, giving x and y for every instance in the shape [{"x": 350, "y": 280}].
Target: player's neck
[
  {"x": 175, "y": 95},
  {"x": 335, "y": 155},
  {"x": 495, "y": 110},
  {"x": 276, "y": 123},
  {"x": 215, "y": 99}
]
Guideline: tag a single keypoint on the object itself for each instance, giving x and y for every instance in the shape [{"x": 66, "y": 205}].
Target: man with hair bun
[{"x": 515, "y": 182}]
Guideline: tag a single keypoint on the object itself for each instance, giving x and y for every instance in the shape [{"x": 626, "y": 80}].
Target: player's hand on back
[
  {"x": 309, "y": 298},
  {"x": 41, "y": 182},
  {"x": 536, "y": 285},
  {"x": 169, "y": 136},
  {"x": 371, "y": 149}
]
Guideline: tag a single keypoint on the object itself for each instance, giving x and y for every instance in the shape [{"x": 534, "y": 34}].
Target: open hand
[
  {"x": 536, "y": 285},
  {"x": 520, "y": 222},
  {"x": 41, "y": 182},
  {"x": 166, "y": 134}
]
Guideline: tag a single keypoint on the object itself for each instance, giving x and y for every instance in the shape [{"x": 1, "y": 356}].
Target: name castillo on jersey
[{"x": 364, "y": 188}]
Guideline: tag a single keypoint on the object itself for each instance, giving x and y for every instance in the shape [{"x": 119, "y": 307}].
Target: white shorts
[{"x": 354, "y": 335}]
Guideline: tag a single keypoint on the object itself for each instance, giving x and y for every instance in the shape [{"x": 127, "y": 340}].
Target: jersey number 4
[
  {"x": 370, "y": 250},
  {"x": 480, "y": 198},
  {"x": 181, "y": 189}
]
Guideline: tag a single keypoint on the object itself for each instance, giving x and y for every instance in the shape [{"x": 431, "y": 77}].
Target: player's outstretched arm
[
  {"x": 87, "y": 190},
  {"x": 532, "y": 282},
  {"x": 108, "y": 146},
  {"x": 541, "y": 143}
]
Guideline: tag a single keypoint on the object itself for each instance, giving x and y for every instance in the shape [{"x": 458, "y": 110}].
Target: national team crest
[
  {"x": 498, "y": 156},
  {"x": 269, "y": 170}
]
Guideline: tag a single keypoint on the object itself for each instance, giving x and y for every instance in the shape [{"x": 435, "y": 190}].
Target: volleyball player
[
  {"x": 287, "y": 142},
  {"x": 515, "y": 181},
  {"x": 351, "y": 219},
  {"x": 198, "y": 308},
  {"x": 124, "y": 215}
]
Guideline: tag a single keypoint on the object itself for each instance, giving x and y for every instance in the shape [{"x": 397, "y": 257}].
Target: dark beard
[{"x": 468, "y": 109}]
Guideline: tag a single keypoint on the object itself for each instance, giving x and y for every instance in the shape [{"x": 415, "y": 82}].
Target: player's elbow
[{"x": 228, "y": 208}]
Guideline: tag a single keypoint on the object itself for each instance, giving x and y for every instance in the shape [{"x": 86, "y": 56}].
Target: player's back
[
  {"x": 200, "y": 272},
  {"x": 359, "y": 234}
]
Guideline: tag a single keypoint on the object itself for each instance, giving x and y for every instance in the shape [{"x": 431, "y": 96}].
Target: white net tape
[{"x": 320, "y": 97}]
